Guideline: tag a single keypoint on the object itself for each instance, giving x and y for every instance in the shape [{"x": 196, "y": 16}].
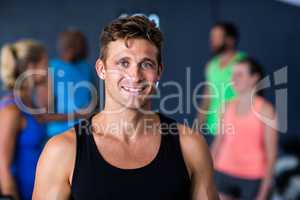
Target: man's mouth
[{"x": 133, "y": 90}]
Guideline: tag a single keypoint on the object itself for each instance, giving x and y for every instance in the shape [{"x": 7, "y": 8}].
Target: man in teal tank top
[{"x": 223, "y": 41}]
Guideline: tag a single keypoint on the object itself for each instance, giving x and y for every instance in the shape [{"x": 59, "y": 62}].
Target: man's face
[
  {"x": 217, "y": 40},
  {"x": 130, "y": 72}
]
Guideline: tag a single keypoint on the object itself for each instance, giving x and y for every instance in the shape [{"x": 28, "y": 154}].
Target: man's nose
[{"x": 134, "y": 73}]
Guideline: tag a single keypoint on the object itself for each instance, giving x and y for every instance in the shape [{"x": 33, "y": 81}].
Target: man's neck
[{"x": 126, "y": 124}]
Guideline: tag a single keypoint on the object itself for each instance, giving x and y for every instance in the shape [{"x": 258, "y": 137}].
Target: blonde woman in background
[{"x": 21, "y": 134}]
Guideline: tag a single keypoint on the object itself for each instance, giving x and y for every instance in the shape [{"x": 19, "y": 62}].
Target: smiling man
[{"x": 126, "y": 151}]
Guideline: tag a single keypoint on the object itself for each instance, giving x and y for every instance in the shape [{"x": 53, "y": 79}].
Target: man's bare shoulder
[
  {"x": 60, "y": 148},
  {"x": 198, "y": 162},
  {"x": 192, "y": 140},
  {"x": 55, "y": 166},
  {"x": 62, "y": 142},
  {"x": 194, "y": 149}
]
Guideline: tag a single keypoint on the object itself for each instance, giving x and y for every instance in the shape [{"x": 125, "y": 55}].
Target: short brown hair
[{"x": 128, "y": 28}]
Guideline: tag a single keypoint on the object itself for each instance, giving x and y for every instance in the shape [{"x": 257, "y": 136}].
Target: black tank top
[{"x": 165, "y": 178}]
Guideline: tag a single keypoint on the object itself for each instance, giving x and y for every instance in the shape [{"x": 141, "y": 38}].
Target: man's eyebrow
[
  {"x": 149, "y": 59},
  {"x": 123, "y": 58}
]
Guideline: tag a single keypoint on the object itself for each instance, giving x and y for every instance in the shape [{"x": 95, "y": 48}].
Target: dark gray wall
[{"x": 269, "y": 31}]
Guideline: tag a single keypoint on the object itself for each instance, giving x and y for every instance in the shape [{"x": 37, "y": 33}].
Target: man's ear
[{"x": 100, "y": 68}]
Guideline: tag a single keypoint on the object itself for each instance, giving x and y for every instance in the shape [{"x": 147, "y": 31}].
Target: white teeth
[{"x": 135, "y": 90}]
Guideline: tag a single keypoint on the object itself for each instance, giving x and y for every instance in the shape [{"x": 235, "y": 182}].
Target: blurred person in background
[
  {"x": 245, "y": 148},
  {"x": 21, "y": 134},
  {"x": 287, "y": 171},
  {"x": 70, "y": 76},
  {"x": 223, "y": 41}
]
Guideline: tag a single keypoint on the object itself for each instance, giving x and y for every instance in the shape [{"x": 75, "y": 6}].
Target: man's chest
[{"x": 129, "y": 155}]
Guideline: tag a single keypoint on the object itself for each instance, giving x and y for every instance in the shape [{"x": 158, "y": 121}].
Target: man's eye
[
  {"x": 123, "y": 64},
  {"x": 146, "y": 65}
]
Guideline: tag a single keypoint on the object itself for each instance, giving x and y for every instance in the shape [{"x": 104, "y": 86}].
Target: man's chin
[{"x": 136, "y": 105}]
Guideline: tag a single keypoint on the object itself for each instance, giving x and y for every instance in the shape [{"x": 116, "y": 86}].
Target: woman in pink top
[{"x": 244, "y": 150}]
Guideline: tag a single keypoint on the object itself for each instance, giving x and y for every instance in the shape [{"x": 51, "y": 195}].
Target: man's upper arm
[
  {"x": 199, "y": 164},
  {"x": 54, "y": 168}
]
